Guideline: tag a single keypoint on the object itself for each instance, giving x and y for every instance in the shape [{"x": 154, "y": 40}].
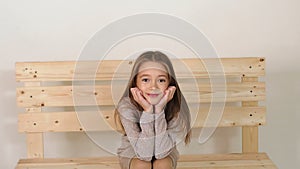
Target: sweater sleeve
[
  {"x": 167, "y": 134},
  {"x": 139, "y": 130}
]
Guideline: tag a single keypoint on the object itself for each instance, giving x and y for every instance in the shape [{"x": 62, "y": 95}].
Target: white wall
[{"x": 35, "y": 30}]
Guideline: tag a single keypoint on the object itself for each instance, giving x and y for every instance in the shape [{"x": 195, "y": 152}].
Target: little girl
[{"x": 152, "y": 114}]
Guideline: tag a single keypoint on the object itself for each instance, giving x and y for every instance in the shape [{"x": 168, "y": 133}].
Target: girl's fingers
[
  {"x": 139, "y": 98},
  {"x": 169, "y": 93},
  {"x": 133, "y": 92},
  {"x": 166, "y": 96},
  {"x": 137, "y": 95},
  {"x": 171, "y": 90}
]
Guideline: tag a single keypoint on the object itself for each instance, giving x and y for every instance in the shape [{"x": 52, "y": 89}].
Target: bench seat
[{"x": 207, "y": 161}]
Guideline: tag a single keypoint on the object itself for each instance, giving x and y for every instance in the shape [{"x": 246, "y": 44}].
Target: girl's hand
[
  {"x": 169, "y": 93},
  {"x": 139, "y": 98}
]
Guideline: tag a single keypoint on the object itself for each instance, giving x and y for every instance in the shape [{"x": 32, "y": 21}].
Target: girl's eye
[
  {"x": 162, "y": 80},
  {"x": 145, "y": 80}
]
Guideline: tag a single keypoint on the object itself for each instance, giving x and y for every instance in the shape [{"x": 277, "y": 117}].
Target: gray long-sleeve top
[{"x": 147, "y": 134}]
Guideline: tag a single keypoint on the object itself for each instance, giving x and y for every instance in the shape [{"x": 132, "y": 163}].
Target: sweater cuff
[
  {"x": 160, "y": 115},
  {"x": 147, "y": 117},
  {"x": 160, "y": 123}
]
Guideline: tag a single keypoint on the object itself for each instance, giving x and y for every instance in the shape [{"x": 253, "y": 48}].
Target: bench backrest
[{"x": 66, "y": 96}]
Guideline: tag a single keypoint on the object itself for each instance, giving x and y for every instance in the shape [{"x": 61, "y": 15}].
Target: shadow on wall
[
  {"x": 280, "y": 136},
  {"x": 224, "y": 140},
  {"x": 71, "y": 144},
  {"x": 13, "y": 144}
]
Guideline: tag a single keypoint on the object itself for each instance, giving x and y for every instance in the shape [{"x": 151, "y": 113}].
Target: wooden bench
[{"x": 47, "y": 85}]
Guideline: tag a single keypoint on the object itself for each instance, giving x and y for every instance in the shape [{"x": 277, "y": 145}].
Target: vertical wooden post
[
  {"x": 35, "y": 141},
  {"x": 249, "y": 134}
]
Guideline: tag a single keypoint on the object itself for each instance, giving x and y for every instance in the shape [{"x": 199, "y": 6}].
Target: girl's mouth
[
  {"x": 153, "y": 98},
  {"x": 153, "y": 95}
]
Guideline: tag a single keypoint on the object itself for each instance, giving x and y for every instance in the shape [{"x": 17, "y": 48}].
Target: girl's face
[{"x": 152, "y": 80}]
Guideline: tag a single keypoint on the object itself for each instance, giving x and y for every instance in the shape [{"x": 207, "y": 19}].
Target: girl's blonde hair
[{"x": 176, "y": 106}]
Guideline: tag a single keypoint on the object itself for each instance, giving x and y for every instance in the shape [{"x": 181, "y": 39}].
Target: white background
[{"x": 35, "y": 30}]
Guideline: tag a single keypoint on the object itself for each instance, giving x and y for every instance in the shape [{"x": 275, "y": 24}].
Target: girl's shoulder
[
  {"x": 126, "y": 104},
  {"x": 127, "y": 109},
  {"x": 125, "y": 101}
]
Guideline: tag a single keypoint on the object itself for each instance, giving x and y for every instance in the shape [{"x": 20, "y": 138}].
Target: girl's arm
[
  {"x": 141, "y": 137},
  {"x": 168, "y": 135}
]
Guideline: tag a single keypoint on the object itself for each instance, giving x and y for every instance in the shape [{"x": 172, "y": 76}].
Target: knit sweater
[{"x": 148, "y": 134}]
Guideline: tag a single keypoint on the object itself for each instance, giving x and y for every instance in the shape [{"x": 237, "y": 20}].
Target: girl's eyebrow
[
  {"x": 163, "y": 76},
  {"x": 150, "y": 75},
  {"x": 141, "y": 75}
]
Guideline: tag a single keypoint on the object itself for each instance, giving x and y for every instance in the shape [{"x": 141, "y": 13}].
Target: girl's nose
[{"x": 153, "y": 86}]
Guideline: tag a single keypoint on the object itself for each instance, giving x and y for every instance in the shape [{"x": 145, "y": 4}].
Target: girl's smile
[
  {"x": 153, "y": 98},
  {"x": 153, "y": 95}
]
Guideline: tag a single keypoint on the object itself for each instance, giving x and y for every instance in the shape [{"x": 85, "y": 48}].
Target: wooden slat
[
  {"x": 35, "y": 145},
  {"x": 35, "y": 141},
  {"x": 86, "y": 95},
  {"x": 64, "y": 70},
  {"x": 211, "y": 161},
  {"x": 249, "y": 134},
  {"x": 232, "y": 116},
  {"x": 249, "y": 139},
  {"x": 104, "y": 121},
  {"x": 226, "y": 161}
]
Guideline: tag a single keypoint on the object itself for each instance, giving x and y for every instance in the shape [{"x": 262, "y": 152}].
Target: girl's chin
[{"x": 154, "y": 100}]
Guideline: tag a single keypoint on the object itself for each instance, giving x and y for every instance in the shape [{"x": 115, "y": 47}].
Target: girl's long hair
[{"x": 177, "y": 106}]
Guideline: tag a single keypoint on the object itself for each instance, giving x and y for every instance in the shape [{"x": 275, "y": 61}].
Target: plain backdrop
[{"x": 35, "y": 30}]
